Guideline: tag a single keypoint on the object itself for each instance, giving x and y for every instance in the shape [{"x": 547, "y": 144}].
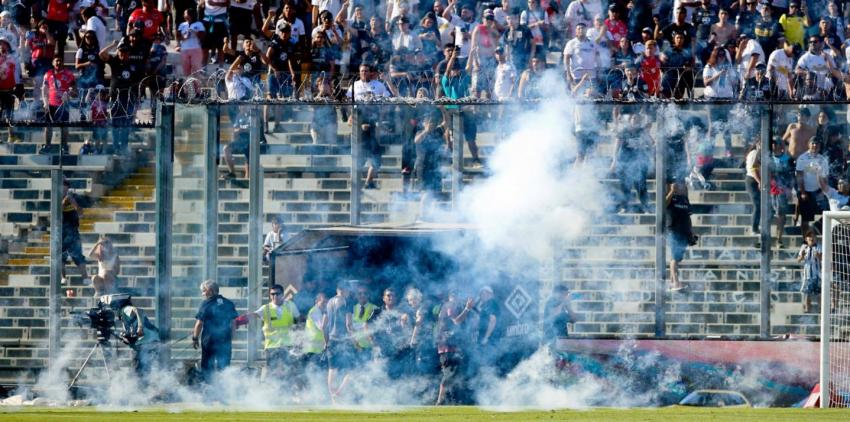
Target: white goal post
[{"x": 835, "y": 311}]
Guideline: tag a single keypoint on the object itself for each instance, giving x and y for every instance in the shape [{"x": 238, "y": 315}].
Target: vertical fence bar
[
  {"x": 825, "y": 299},
  {"x": 53, "y": 300},
  {"x": 164, "y": 210},
  {"x": 255, "y": 221},
  {"x": 356, "y": 154},
  {"x": 457, "y": 155},
  {"x": 764, "y": 290},
  {"x": 660, "y": 251},
  {"x": 211, "y": 195}
]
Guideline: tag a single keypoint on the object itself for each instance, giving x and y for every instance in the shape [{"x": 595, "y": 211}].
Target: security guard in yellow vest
[
  {"x": 278, "y": 317},
  {"x": 363, "y": 313},
  {"x": 314, "y": 343}
]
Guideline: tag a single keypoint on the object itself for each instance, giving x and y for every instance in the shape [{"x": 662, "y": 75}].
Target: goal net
[{"x": 835, "y": 310}]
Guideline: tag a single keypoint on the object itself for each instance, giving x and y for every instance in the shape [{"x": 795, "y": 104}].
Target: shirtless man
[
  {"x": 724, "y": 30},
  {"x": 798, "y": 133}
]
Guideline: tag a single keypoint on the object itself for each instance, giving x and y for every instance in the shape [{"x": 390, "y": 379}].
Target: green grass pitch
[{"x": 440, "y": 414}]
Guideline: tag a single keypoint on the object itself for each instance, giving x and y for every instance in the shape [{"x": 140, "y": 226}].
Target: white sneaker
[{"x": 64, "y": 280}]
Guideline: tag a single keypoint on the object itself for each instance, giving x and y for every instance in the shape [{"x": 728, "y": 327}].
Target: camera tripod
[{"x": 105, "y": 354}]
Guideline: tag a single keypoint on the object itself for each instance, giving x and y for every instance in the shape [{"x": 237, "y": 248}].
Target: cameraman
[{"x": 137, "y": 332}]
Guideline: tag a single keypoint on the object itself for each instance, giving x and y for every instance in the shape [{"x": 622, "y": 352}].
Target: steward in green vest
[
  {"x": 363, "y": 314},
  {"x": 314, "y": 341},
  {"x": 278, "y": 318}
]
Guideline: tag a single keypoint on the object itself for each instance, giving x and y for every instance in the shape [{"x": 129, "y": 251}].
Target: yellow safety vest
[
  {"x": 276, "y": 330},
  {"x": 315, "y": 336},
  {"x": 358, "y": 323}
]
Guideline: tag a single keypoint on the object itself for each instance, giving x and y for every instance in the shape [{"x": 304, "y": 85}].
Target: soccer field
[{"x": 427, "y": 414}]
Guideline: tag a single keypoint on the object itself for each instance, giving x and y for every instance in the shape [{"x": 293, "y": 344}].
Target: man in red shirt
[
  {"x": 7, "y": 80},
  {"x": 58, "y": 16},
  {"x": 650, "y": 68},
  {"x": 59, "y": 85},
  {"x": 150, "y": 19}
]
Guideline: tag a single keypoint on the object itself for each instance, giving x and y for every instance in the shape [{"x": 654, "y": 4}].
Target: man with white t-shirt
[
  {"x": 278, "y": 318},
  {"x": 748, "y": 55},
  {"x": 580, "y": 56},
  {"x": 815, "y": 60},
  {"x": 780, "y": 64},
  {"x": 463, "y": 25},
  {"x": 364, "y": 89},
  {"x": 812, "y": 169}
]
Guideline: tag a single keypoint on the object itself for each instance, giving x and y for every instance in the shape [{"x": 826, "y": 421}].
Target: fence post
[
  {"x": 660, "y": 247},
  {"x": 356, "y": 159},
  {"x": 255, "y": 222},
  {"x": 764, "y": 265},
  {"x": 211, "y": 195},
  {"x": 457, "y": 155},
  {"x": 54, "y": 298},
  {"x": 164, "y": 211}
]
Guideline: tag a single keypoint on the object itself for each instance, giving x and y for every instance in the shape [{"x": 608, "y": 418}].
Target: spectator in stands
[
  {"x": 71, "y": 246},
  {"x": 680, "y": 234},
  {"x": 632, "y": 156},
  {"x": 747, "y": 16},
  {"x": 748, "y": 54},
  {"x": 57, "y": 17},
  {"x": 517, "y": 42},
  {"x": 577, "y": 13},
  {"x": 8, "y": 70},
  {"x": 456, "y": 84},
  {"x": 430, "y": 142},
  {"x": 429, "y": 38},
  {"x": 213, "y": 331},
  {"x": 536, "y": 19},
  {"x": 723, "y": 30},
  {"x": 767, "y": 30},
  {"x": 123, "y": 10},
  {"x": 94, "y": 23},
  {"x": 810, "y": 256},
  {"x": 42, "y": 46},
  {"x": 719, "y": 78},
  {"x": 581, "y": 57},
  {"x": 834, "y": 152},
  {"x": 324, "y": 127},
  {"x": 241, "y": 14},
  {"x": 758, "y": 87},
  {"x": 821, "y": 64},
  {"x": 704, "y": 19},
  {"x": 88, "y": 63},
  {"x": 108, "y": 266},
  {"x": 126, "y": 75},
  {"x": 98, "y": 98},
  {"x": 812, "y": 170},
  {"x": 678, "y": 79},
  {"x": 215, "y": 26},
  {"x": 649, "y": 66},
  {"x": 366, "y": 88},
  {"x": 484, "y": 40},
  {"x": 679, "y": 26},
  {"x": 190, "y": 38},
  {"x": 780, "y": 67},
  {"x": 59, "y": 86},
  {"x": 797, "y": 134},
  {"x": 506, "y": 78},
  {"x": 753, "y": 184},
  {"x": 794, "y": 24},
  {"x": 781, "y": 183},
  {"x": 529, "y": 82},
  {"x": 274, "y": 238}
]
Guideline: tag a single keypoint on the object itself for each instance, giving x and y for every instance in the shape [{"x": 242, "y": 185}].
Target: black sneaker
[
  {"x": 371, "y": 185},
  {"x": 228, "y": 176},
  {"x": 44, "y": 149}
]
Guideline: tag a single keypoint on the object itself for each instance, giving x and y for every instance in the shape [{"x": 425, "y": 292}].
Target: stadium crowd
[{"x": 743, "y": 49}]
